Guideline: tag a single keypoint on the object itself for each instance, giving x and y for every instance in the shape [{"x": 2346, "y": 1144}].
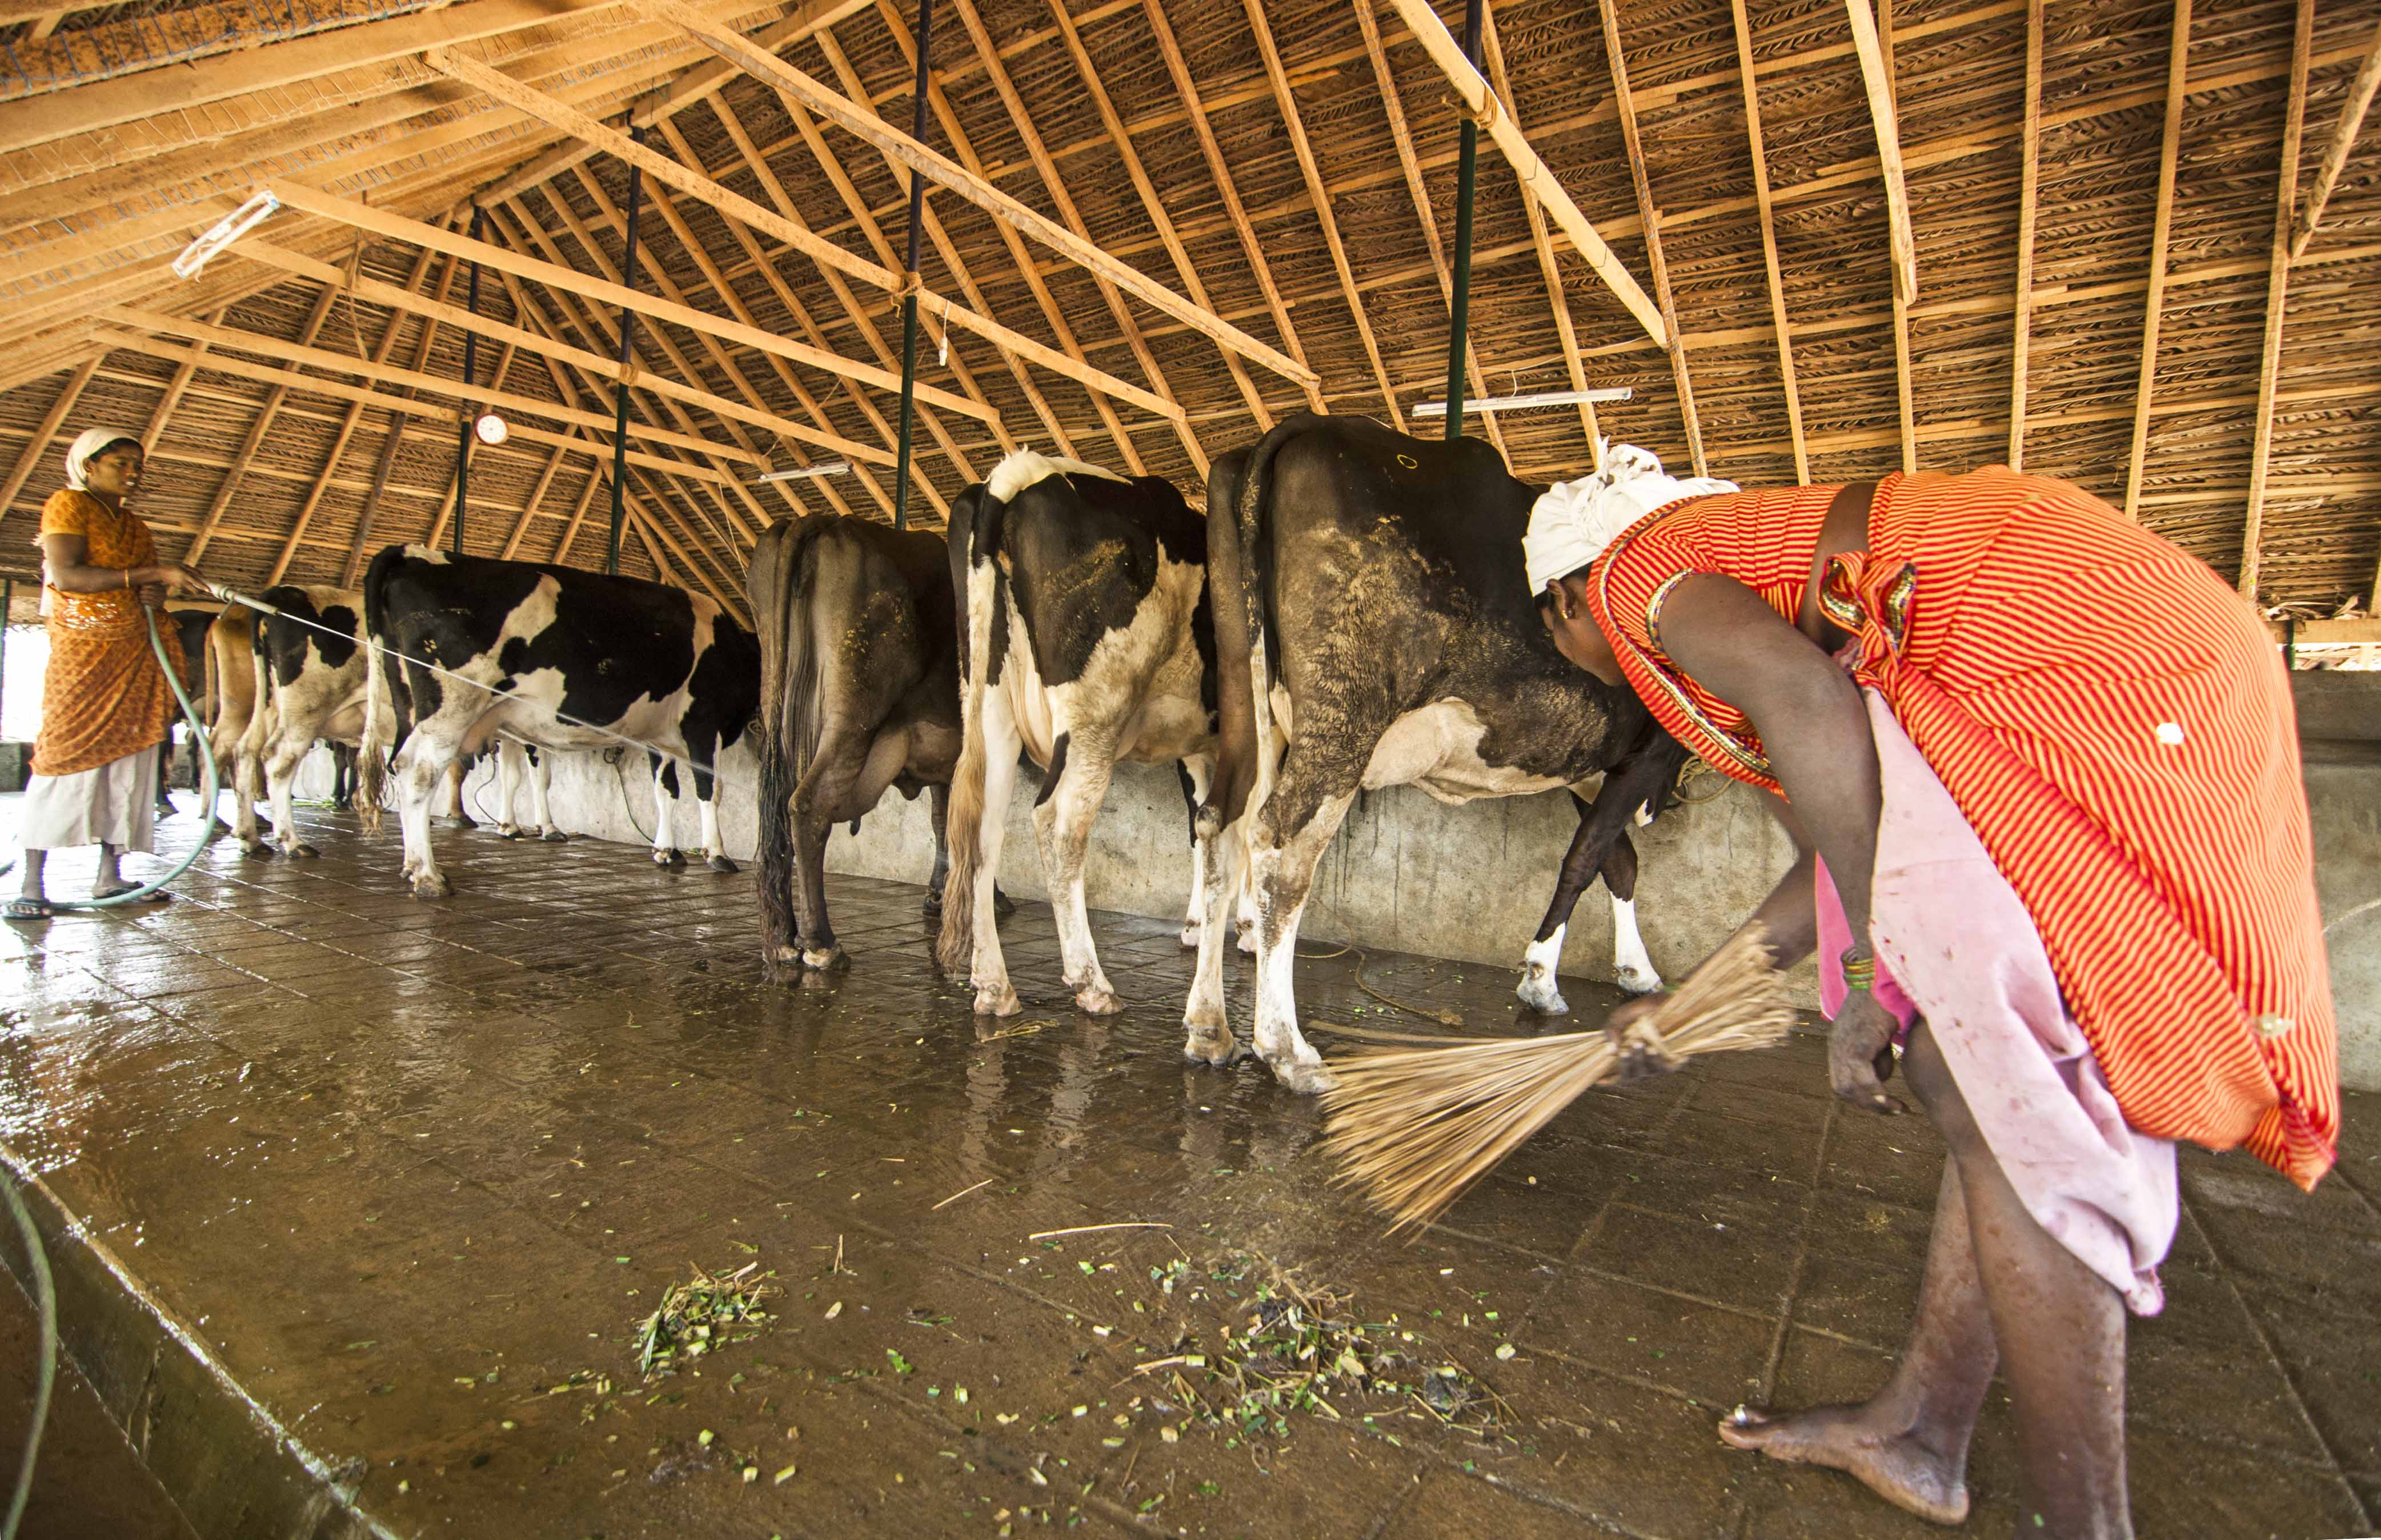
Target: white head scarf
[
  {"x": 91, "y": 442},
  {"x": 1573, "y": 521}
]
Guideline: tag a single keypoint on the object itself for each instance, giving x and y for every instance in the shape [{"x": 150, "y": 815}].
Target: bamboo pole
[
  {"x": 1467, "y": 185},
  {"x": 2029, "y": 190},
  {"x": 44, "y": 435},
  {"x": 2277, "y": 289},
  {"x": 1903, "y": 246},
  {"x": 2153, "y": 308},
  {"x": 1877, "y": 76},
  {"x": 1650, "y": 218},
  {"x": 925, "y": 35},
  {"x": 1770, "y": 266}
]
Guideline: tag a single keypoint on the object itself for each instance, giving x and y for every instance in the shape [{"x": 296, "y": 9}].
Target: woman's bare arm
[{"x": 66, "y": 566}]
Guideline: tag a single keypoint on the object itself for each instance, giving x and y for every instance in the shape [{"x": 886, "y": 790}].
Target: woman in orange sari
[
  {"x": 2041, "y": 767},
  {"x": 105, "y": 704}
]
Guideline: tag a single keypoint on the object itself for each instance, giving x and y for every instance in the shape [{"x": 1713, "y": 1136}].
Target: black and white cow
[
  {"x": 1087, "y": 641},
  {"x": 544, "y": 650},
  {"x": 523, "y": 769},
  {"x": 308, "y": 686},
  {"x": 1374, "y": 629},
  {"x": 859, "y": 693}
]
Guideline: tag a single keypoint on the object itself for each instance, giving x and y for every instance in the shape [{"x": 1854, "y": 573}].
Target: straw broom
[{"x": 1414, "y": 1127}]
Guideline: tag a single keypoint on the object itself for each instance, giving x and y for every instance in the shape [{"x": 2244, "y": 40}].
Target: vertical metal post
[
  {"x": 910, "y": 298},
  {"x": 465, "y": 431},
  {"x": 620, "y": 390},
  {"x": 1467, "y": 178}
]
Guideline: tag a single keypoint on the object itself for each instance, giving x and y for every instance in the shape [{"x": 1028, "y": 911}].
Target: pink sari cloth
[{"x": 1955, "y": 945}]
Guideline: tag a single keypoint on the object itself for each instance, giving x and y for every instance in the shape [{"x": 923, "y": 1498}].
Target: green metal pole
[
  {"x": 1467, "y": 178},
  {"x": 620, "y": 392},
  {"x": 464, "y": 431},
  {"x": 909, "y": 300}
]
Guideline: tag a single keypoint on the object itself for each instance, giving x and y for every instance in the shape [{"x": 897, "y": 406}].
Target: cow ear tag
[{"x": 1410, "y": 462}]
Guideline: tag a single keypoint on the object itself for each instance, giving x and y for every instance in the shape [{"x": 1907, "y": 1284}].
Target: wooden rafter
[
  {"x": 1498, "y": 119},
  {"x": 379, "y": 222},
  {"x": 1402, "y": 136},
  {"x": 258, "y": 427},
  {"x": 1649, "y": 219},
  {"x": 1549, "y": 273},
  {"x": 865, "y": 125},
  {"x": 1010, "y": 238},
  {"x": 1039, "y": 154},
  {"x": 2029, "y": 191},
  {"x": 45, "y": 434},
  {"x": 1902, "y": 245},
  {"x": 1319, "y": 195},
  {"x": 1195, "y": 109},
  {"x": 2277, "y": 286},
  {"x": 2154, "y": 306},
  {"x": 2343, "y": 139},
  {"x": 1775, "y": 274},
  {"x": 1151, "y": 204}
]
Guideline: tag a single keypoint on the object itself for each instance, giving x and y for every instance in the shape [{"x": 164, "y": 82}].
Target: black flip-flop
[
  {"x": 26, "y": 910},
  {"x": 159, "y": 897}
]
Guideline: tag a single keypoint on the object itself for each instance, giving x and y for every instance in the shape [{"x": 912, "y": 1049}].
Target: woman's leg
[
  {"x": 1995, "y": 1279},
  {"x": 1910, "y": 1442},
  {"x": 109, "y": 876},
  {"x": 33, "y": 861}
]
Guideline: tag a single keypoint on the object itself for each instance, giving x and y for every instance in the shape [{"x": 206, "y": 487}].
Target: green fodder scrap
[{"x": 698, "y": 1315}]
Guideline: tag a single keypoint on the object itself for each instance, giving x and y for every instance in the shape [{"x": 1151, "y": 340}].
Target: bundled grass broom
[{"x": 1414, "y": 1127}]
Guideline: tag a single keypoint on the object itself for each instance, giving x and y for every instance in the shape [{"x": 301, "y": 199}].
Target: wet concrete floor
[{"x": 413, "y": 1172}]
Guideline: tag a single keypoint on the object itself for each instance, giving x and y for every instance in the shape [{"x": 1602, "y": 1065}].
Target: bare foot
[{"x": 1897, "y": 1466}]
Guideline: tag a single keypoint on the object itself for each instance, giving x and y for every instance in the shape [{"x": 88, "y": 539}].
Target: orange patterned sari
[
  {"x": 103, "y": 696},
  {"x": 2116, "y": 727}
]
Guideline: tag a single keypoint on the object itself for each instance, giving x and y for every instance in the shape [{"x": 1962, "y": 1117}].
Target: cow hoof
[
  {"x": 822, "y": 961},
  {"x": 721, "y": 863},
  {"x": 933, "y": 906},
  {"x": 1308, "y": 1078},
  {"x": 1190, "y": 936},
  {"x": 1097, "y": 1000},
  {"x": 1638, "y": 981},
  {"x": 458, "y": 822},
  {"x": 1538, "y": 991},
  {"x": 255, "y": 848},
  {"x": 998, "y": 1000},
  {"x": 508, "y": 832},
  {"x": 1214, "y": 1047},
  {"x": 435, "y": 885},
  {"x": 669, "y": 860},
  {"x": 301, "y": 851},
  {"x": 1003, "y": 906},
  {"x": 555, "y": 836},
  {"x": 1247, "y": 942}
]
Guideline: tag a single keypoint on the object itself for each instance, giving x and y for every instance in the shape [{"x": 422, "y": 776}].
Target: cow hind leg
[
  {"x": 1223, "y": 858},
  {"x": 454, "y": 816},
  {"x": 1281, "y": 869},
  {"x": 509, "y": 789},
  {"x": 665, "y": 854},
  {"x": 280, "y": 772},
  {"x": 1062, "y": 825},
  {"x": 417, "y": 784},
  {"x": 1196, "y": 773},
  {"x": 994, "y": 995},
  {"x": 827, "y": 784},
  {"x": 706, "y": 798}
]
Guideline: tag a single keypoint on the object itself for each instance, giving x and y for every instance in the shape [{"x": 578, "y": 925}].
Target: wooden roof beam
[
  {"x": 1650, "y": 218},
  {"x": 2278, "y": 288},
  {"x": 1402, "y": 135},
  {"x": 2343, "y": 138},
  {"x": 379, "y": 222},
  {"x": 1769, "y": 240},
  {"x": 2161, "y": 225},
  {"x": 47, "y": 434},
  {"x": 393, "y": 298},
  {"x": 1902, "y": 245},
  {"x": 695, "y": 184},
  {"x": 1319, "y": 197},
  {"x": 1010, "y": 239},
  {"x": 1052, "y": 183},
  {"x": 319, "y": 358},
  {"x": 258, "y": 427},
  {"x": 865, "y": 125},
  {"x": 1482, "y": 104},
  {"x": 1549, "y": 270}
]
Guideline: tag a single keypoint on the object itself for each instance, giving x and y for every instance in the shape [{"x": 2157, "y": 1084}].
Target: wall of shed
[{"x": 1471, "y": 882}]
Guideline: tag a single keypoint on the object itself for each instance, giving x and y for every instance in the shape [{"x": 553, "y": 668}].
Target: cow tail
[
  {"x": 247, "y": 777},
  {"x": 380, "y": 694},
  {"x": 773, "y": 586},
  {"x": 954, "y": 947},
  {"x": 1235, "y": 580}
]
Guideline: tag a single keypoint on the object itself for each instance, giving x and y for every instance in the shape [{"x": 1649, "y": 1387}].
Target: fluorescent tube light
[
  {"x": 823, "y": 468},
  {"x": 1529, "y": 402}
]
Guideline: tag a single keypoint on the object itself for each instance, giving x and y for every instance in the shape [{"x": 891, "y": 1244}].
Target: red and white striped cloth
[{"x": 2116, "y": 724}]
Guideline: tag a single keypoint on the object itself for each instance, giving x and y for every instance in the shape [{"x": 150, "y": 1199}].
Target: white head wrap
[
  {"x": 1573, "y": 521},
  {"x": 89, "y": 443}
]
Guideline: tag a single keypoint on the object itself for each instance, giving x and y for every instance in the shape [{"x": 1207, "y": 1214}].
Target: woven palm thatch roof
[{"x": 1288, "y": 168}]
